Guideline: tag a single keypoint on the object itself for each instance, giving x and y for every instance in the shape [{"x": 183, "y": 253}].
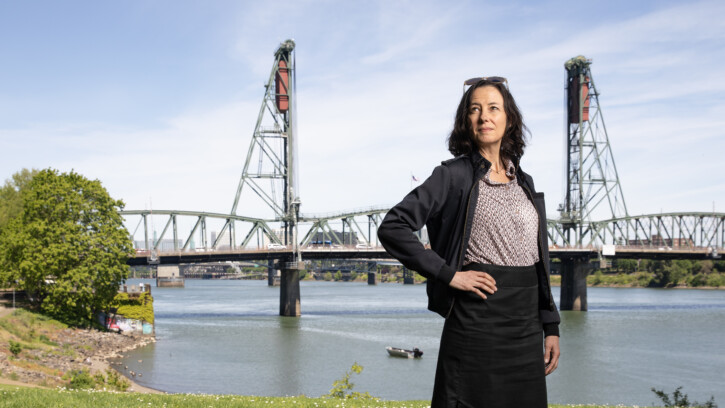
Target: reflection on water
[{"x": 225, "y": 337}]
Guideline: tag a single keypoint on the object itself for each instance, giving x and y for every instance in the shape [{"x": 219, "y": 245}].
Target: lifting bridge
[{"x": 593, "y": 220}]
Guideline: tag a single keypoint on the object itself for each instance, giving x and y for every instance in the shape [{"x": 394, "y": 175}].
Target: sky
[{"x": 158, "y": 99}]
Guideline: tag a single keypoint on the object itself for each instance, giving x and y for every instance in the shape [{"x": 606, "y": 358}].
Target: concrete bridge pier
[
  {"x": 574, "y": 271},
  {"x": 289, "y": 289},
  {"x": 169, "y": 276},
  {"x": 372, "y": 278},
  {"x": 408, "y": 276},
  {"x": 272, "y": 274}
]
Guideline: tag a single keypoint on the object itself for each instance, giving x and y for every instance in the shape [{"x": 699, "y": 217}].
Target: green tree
[
  {"x": 671, "y": 272},
  {"x": 647, "y": 265},
  {"x": 627, "y": 265},
  {"x": 705, "y": 267},
  {"x": 11, "y": 202},
  {"x": 67, "y": 248}
]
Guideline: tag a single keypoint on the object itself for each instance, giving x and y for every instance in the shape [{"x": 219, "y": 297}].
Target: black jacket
[{"x": 445, "y": 203}]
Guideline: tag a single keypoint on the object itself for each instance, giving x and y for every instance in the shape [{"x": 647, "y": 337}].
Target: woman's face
[{"x": 488, "y": 117}]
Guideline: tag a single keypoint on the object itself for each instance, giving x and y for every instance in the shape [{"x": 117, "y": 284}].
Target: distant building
[{"x": 165, "y": 244}]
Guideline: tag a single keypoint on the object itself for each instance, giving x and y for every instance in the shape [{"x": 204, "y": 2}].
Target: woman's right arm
[{"x": 397, "y": 231}]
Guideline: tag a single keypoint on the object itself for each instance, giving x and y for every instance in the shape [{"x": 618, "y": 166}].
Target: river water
[{"x": 225, "y": 337}]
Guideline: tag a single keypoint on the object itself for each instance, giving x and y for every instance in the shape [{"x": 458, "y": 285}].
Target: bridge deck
[{"x": 182, "y": 257}]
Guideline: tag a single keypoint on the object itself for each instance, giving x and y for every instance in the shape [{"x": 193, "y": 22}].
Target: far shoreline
[{"x": 553, "y": 284}]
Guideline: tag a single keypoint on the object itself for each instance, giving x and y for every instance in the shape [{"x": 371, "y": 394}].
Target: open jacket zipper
[
  {"x": 539, "y": 240},
  {"x": 459, "y": 264}
]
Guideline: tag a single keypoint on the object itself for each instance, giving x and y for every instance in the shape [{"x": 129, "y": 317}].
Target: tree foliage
[
  {"x": 67, "y": 248},
  {"x": 661, "y": 273},
  {"x": 139, "y": 307},
  {"x": 11, "y": 202}
]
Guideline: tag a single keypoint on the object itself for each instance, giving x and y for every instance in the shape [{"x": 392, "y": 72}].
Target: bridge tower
[
  {"x": 593, "y": 187},
  {"x": 270, "y": 169}
]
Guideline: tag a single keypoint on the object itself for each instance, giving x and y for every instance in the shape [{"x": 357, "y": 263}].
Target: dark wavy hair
[{"x": 461, "y": 140}]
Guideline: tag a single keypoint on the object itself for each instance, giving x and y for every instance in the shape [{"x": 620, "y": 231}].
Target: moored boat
[{"x": 399, "y": 352}]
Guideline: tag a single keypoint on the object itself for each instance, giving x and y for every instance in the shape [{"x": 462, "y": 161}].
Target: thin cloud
[{"x": 378, "y": 84}]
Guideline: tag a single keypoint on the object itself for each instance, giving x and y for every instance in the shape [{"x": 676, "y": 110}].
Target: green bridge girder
[
  {"x": 688, "y": 230},
  {"x": 675, "y": 229}
]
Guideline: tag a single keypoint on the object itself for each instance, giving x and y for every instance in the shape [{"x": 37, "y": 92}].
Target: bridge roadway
[{"x": 184, "y": 257}]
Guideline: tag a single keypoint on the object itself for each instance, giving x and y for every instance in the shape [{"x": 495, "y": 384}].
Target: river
[{"x": 225, "y": 337}]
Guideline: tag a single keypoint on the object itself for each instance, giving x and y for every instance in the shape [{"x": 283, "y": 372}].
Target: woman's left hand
[{"x": 551, "y": 354}]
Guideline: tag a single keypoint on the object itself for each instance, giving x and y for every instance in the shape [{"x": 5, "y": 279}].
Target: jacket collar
[{"x": 477, "y": 159}]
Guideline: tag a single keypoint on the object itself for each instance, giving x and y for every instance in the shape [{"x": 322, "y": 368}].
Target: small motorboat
[{"x": 399, "y": 352}]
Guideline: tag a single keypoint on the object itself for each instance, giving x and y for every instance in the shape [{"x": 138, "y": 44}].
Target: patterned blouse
[{"x": 505, "y": 224}]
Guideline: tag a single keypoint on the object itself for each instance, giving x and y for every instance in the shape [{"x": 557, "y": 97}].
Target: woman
[{"x": 488, "y": 262}]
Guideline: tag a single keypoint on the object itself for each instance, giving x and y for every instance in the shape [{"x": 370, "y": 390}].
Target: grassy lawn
[{"x": 11, "y": 396}]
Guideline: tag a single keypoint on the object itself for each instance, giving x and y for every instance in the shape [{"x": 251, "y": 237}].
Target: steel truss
[
  {"x": 321, "y": 224},
  {"x": 593, "y": 187},
  {"x": 201, "y": 220},
  {"x": 688, "y": 230},
  {"x": 352, "y": 224}
]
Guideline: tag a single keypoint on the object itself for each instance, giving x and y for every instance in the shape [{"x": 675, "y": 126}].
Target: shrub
[
  {"x": 139, "y": 308},
  {"x": 81, "y": 380},
  {"x": 342, "y": 388},
  {"x": 596, "y": 279},
  {"x": 681, "y": 400},
  {"x": 15, "y": 348},
  {"x": 45, "y": 340},
  {"x": 644, "y": 279},
  {"x": 116, "y": 381}
]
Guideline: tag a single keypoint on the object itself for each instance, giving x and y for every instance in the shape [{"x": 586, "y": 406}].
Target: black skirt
[{"x": 491, "y": 353}]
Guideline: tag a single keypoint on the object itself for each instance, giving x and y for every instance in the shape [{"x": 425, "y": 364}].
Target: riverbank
[
  {"x": 41, "y": 352},
  {"x": 635, "y": 280}
]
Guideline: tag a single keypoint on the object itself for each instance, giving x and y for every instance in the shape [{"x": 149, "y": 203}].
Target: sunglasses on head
[{"x": 494, "y": 79}]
